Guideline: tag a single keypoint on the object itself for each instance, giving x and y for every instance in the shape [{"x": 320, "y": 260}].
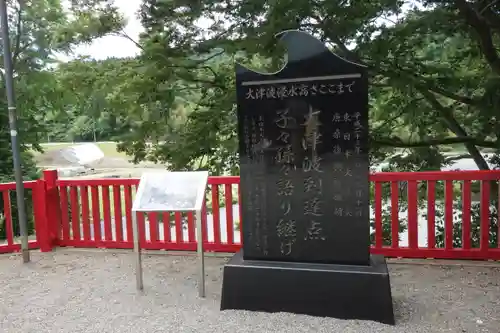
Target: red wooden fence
[
  {"x": 96, "y": 213},
  {"x": 35, "y": 189}
]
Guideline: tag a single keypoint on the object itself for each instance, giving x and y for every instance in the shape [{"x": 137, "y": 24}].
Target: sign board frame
[{"x": 158, "y": 181}]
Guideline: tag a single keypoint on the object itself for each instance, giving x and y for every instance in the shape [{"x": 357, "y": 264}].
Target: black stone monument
[{"x": 303, "y": 144}]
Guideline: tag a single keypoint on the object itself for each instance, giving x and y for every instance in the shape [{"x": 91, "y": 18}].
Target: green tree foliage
[
  {"x": 97, "y": 98},
  {"x": 431, "y": 82},
  {"x": 40, "y": 30},
  {"x": 433, "y": 65},
  {"x": 433, "y": 73}
]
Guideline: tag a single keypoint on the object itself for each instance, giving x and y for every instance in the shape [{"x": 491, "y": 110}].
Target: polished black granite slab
[
  {"x": 326, "y": 290},
  {"x": 303, "y": 143}
]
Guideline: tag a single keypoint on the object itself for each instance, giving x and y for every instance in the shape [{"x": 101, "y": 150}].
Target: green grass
[{"x": 108, "y": 148}]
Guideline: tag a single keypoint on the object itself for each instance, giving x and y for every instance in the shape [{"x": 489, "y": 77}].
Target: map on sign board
[{"x": 171, "y": 191}]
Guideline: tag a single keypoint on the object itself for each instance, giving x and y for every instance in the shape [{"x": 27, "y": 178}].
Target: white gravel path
[{"x": 75, "y": 292}]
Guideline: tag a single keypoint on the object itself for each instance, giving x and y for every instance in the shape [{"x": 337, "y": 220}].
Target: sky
[{"x": 114, "y": 46}]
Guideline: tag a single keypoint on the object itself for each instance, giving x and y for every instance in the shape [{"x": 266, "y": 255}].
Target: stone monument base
[{"x": 326, "y": 290}]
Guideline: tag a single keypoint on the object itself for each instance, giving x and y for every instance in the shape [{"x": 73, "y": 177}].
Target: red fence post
[
  {"x": 52, "y": 204},
  {"x": 40, "y": 214}
]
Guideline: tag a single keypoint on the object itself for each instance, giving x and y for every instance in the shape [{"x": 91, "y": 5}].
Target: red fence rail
[{"x": 449, "y": 215}]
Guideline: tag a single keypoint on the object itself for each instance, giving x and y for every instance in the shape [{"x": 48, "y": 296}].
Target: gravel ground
[{"x": 95, "y": 292}]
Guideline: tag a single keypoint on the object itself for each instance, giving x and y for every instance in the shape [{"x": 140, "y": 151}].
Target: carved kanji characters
[
  {"x": 293, "y": 91},
  {"x": 286, "y": 207},
  {"x": 338, "y": 211},
  {"x": 285, "y": 155},
  {"x": 303, "y": 90},
  {"x": 281, "y": 92},
  {"x": 349, "y": 86},
  {"x": 285, "y": 187},
  {"x": 250, "y": 94},
  {"x": 283, "y": 120},
  {"x": 315, "y": 232},
  {"x": 271, "y": 92},
  {"x": 283, "y": 137},
  {"x": 340, "y": 88},
  {"x": 331, "y": 89},
  {"x": 311, "y": 183},
  {"x": 260, "y": 93},
  {"x": 312, "y": 164},
  {"x": 313, "y": 207}
]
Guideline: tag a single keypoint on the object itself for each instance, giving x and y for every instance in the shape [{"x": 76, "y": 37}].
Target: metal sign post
[
  {"x": 201, "y": 255},
  {"x": 137, "y": 252}
]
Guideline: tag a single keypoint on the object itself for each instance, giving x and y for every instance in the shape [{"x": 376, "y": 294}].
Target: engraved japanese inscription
[{"x": 303, "y": 144}]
